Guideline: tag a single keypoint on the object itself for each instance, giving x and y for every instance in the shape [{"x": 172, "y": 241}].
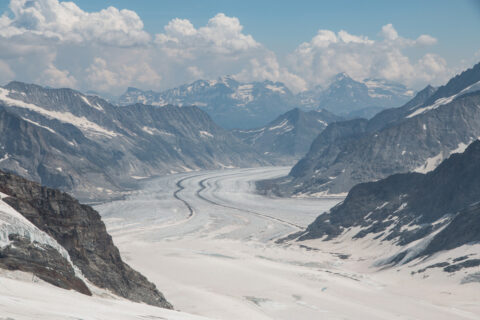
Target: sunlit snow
[{"x": 208, "y": 242}]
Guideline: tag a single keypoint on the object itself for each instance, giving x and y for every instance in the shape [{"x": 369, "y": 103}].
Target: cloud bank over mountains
[{"x": 59, "y": 44}]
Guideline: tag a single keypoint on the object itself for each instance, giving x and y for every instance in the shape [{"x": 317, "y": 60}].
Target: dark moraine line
[
  {"x": 203, "y": 187},
  {"x": 180, "y": 189}
]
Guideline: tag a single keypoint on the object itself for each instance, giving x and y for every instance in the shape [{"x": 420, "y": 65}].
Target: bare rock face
[
  {"x": 288, "y": 137},
  {"x": 43, "y": 261},
  {"x": 441, "y": 206},
  {"x": 94, "y": 150},
  {"x": 80, "y": 230},
  {"x": 415, "y": 137}
]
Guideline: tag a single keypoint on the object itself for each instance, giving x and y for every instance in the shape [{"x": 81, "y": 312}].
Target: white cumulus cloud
[
  {"x": 389, "y": 32},
  {"x": 329, "y": 53},
  {"x": 56, "y": 43},
  {"x": 221, "y": 35},
  {"x": 65, "y": 21},
  {"x": 425, "y": 39}
]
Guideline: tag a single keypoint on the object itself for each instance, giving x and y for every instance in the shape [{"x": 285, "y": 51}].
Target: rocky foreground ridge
[{"x": 68, "y": 244}]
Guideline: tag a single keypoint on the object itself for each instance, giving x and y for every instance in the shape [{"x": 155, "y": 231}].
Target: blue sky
[
  {"x": 302, "y": 43},
  {"x": 282, "y": 25}
]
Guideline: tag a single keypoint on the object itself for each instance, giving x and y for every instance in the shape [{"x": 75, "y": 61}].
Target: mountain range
[
  {"x": 418, "y": 214},
  {"x": 83, "y": 144},
  {"x": 233, "y": 104},
  {"x": 289, "y": 136},
  {"x": 230, "y": 103},
  {"x": 350, "y": 98},
  {"x": 414, "y": 137}
]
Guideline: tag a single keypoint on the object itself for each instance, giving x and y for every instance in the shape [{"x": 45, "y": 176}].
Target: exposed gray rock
[
  {"x": 415, "y": 137},
  {"x": 85, "y": 145},
  {"x": 43, "y": 261},
  {"x": 288, "y": 137},
  {"x": 474, "y": 277},
  {"x": 80, "y": 230},
  {"x": 407, "y": 207}
]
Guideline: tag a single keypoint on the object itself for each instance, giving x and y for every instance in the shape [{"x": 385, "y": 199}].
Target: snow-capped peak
[
  {"x": 276, "y": 88},
  {"x": 445, "y": 100},
  {"x": 341, "y": 76}
]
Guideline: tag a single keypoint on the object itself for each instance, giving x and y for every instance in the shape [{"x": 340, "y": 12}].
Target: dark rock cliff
[
  {"x": 80, "y": 230},
  {"x": 43, "y": 261},
  {"x": 407, "y": 207}
]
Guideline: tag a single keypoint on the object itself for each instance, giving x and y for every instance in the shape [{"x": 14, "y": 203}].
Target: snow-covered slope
[
  {"x": 51, "y": 235},
  {"x": 24, "y": 298},
  {"x": 23, "y": 246},
  {"x": 221, "y": 260},
  {"x": 13, "y": 223},
  {"x": 419, "y": 215}
]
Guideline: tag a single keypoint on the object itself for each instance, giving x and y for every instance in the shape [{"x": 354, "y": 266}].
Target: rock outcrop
[
  {"x": 79, "y": 229},
  {"x": 440, "y": 209},
  {"x": 41, "y": 260}
]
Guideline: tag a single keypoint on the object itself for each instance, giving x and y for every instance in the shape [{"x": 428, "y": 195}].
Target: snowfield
[
  {"x": 208, "y": 242},
  {"x": 23, "y": 297}
]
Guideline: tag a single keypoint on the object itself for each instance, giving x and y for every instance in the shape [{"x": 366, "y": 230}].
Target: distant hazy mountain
[
  {"x": 233, "y": 104},
  {"x": 229, "y": 103},
  {"x": 350, "y": 98},
  {"x": 288, "y": 137},
  {"x": 80, "y": 143},
  {"x": 415, "y": 137},
  {"x": 420, "y": 214}
]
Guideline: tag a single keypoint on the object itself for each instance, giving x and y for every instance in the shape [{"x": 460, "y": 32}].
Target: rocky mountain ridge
[
  {"x": 230, "y": 103},
  {"x": 288, "y": 137},
  {"x": 351, "y": 98},
  {"x": 60, "y": 236},
  {"x": 414, "y": 137},
  {"x": 237, "y": 105},
  {"x": 420, "y": 214},
  {"x": 94, "y": 149}
]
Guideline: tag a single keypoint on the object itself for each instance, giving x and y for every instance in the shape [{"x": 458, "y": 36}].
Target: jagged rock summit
[{"x": 248, "y": 105}]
